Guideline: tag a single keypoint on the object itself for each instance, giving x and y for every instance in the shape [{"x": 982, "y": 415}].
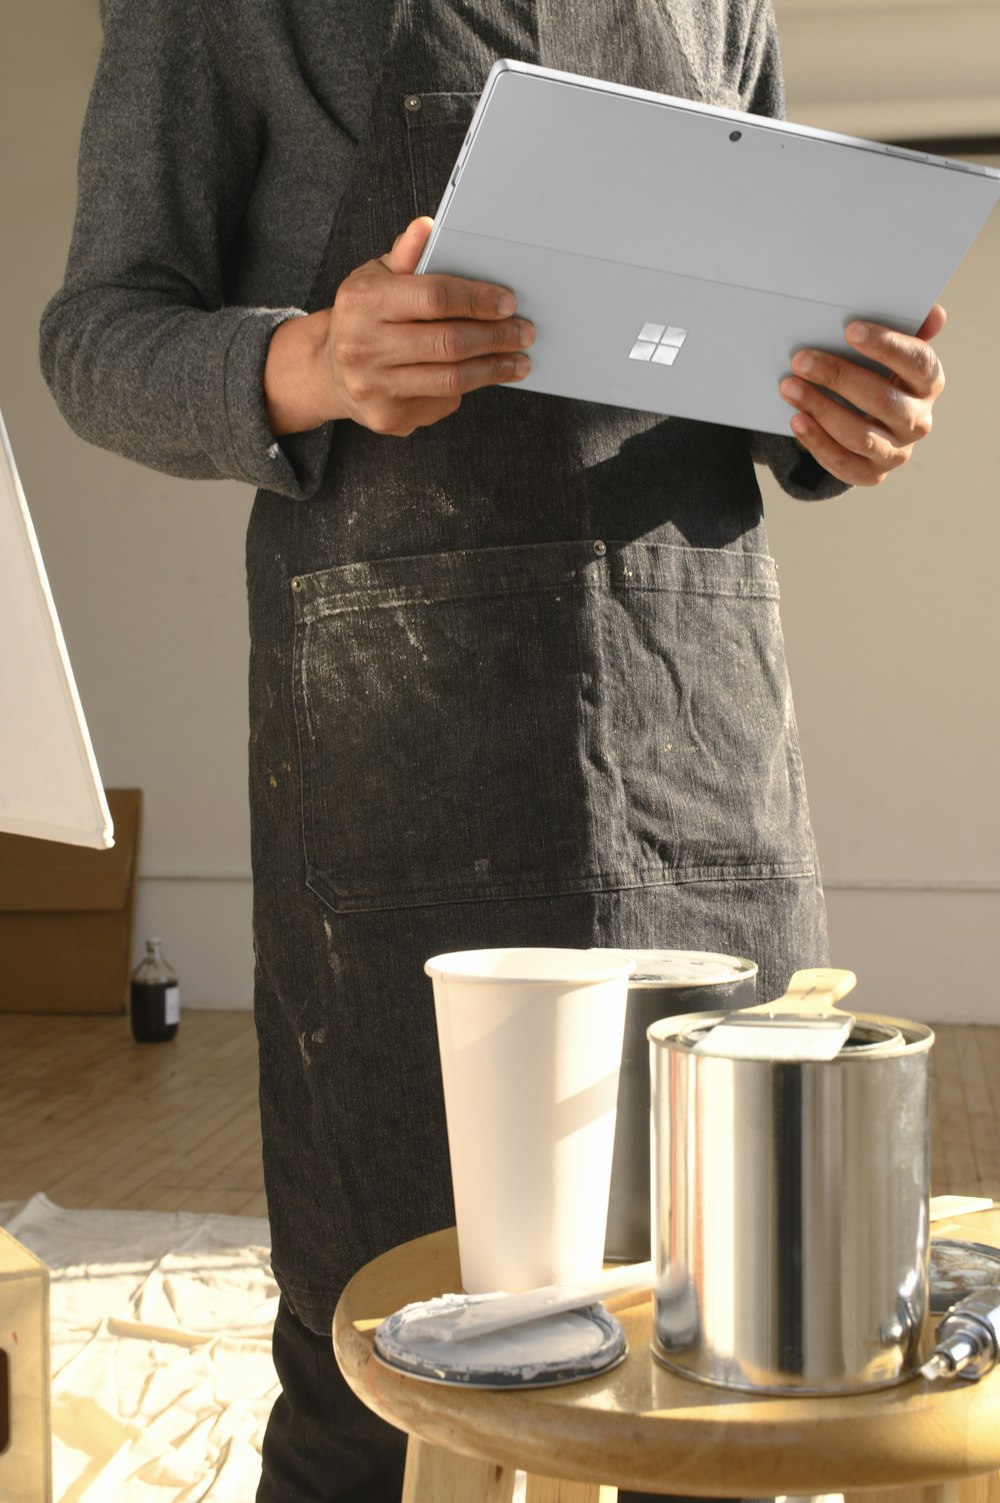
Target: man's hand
[
  {"x": 861, "y": 448},
  {"x": 395, "y": 352}
]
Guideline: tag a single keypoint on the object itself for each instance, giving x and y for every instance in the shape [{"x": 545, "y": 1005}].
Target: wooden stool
[{"x": 640, "y": 1426}]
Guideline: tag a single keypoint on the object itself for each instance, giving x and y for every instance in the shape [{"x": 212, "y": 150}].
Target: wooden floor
[
  {"x": 93, "y": 1119},
  {"x": 965, "y": 1122}
]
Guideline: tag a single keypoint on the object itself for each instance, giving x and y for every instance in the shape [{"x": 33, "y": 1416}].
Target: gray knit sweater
[{"x": 218, "y": 139}]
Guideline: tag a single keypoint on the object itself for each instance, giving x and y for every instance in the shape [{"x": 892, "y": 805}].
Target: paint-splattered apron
[{"x": 517, "y": 679}]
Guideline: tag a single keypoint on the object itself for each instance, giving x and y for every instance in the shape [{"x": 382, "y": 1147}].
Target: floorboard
[{"x": 95, "y": 1119}]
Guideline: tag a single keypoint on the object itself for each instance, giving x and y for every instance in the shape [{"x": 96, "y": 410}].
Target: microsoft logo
[{"x": 658, "y": 343}]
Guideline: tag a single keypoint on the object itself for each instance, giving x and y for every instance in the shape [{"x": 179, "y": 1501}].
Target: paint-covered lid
[
  {"x": 563, "y": 1348},
  {"x": 870, "y": 1036},
  {"x": 683, "y": 968}
]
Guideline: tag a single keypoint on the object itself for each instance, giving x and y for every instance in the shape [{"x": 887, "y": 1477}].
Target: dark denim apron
[{"x": 516, "y": 680}]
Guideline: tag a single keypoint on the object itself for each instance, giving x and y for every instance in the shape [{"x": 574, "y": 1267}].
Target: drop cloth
[{"x": 162, "y": 1377}]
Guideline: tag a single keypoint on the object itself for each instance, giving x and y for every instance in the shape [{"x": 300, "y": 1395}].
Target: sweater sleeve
[
  {"x": 762, "y": 93},
  {"x": 139, "y": 348}
]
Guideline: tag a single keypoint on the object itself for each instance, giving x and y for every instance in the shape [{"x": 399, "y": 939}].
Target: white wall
[
  {"x": 147, "y": 571},
  {"x": 893, "y": 69},
  {"x": 888, "y": 595}
]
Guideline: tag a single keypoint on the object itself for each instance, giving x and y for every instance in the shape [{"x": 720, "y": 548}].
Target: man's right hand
[{"x": 396, "y": 351}]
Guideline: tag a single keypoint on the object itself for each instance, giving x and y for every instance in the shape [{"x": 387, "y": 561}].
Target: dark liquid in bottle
[{"x": 149, "y": 1010}]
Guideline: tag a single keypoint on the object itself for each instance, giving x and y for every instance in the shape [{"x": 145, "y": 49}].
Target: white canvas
[{"x": 49, "y": 783}]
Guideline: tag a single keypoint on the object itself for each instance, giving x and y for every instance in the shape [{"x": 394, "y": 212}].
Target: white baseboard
[
  {"x": 925, "y": 954},
  {"x": 207, "y": 933},
  {"x": 922, "y": 953}
]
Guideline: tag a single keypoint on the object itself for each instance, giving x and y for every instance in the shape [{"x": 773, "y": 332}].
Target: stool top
[{"x": 640, "y": 1426}]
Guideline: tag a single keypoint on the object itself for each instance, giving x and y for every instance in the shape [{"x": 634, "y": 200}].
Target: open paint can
[
  {"x": 663, "y": 984},
  {"x": 791, "y": 1208}
]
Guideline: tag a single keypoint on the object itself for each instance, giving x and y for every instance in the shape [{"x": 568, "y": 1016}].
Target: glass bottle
[{"x": 155, "y": 998}]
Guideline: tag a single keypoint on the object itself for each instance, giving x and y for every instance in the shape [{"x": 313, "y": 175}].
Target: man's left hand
[{"x": 862, "y": 447}]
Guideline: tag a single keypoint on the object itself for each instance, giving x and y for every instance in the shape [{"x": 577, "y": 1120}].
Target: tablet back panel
[{"x": 726, "y": 239}]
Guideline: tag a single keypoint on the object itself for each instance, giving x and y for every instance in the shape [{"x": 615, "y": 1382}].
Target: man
[{"x": 517, "y": 673}]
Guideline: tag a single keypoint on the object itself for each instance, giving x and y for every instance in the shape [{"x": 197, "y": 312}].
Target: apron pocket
[
  {"x": 436, "y": 126},
  {"x": 547, "y": 719}
]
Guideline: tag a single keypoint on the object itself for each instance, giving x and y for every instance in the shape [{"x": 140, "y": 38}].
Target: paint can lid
[
  {"x": 958, "y": 1269},
  {"x": 684, "y": 968},
  {"x": 563, "y": 1348}
]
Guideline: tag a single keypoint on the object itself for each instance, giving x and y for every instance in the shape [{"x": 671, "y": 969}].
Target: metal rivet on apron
[
  {"x": 296, "y": 584},
  {"x": 600, "y": 548},
  {"x": 413, "y": 102}
]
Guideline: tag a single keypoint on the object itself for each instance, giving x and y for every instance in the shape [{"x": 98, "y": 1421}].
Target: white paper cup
[{"x": 531, "y": 1043}]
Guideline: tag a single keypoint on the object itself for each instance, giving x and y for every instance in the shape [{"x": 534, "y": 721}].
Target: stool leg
[
  {"x": 434, "y": 1475},
  {"x": 549, "y": 1490},
  {"x": 980, "y": 1489}
]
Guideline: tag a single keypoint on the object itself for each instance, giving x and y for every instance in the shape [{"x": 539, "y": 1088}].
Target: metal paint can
[
  {"x": 791, "y": 1210},
  {"x": 664, "y": 983}
]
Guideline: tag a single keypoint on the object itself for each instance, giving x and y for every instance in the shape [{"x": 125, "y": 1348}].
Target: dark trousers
[{"x": 322, "y": 1442}]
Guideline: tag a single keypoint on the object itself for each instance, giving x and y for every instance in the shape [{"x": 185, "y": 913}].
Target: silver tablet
[{"x": 674, "y": 255}]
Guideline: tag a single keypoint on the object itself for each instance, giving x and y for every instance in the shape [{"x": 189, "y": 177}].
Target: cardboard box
[
  {"x": 25, "y": 1424},
  {"x": 66, "y": 918}
]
